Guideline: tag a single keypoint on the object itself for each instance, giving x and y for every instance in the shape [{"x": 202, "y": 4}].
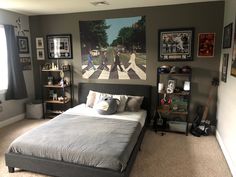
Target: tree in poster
[
  {"x": 93, "y": 34},
  {"x": 132, "y": 37}
]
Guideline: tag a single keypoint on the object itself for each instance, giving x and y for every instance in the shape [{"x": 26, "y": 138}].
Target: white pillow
[{"x": 91, "y": 98}]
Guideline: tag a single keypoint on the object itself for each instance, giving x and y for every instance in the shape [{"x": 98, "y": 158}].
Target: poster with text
[
  {"x": 206, "y": 44},
  {"x": 113, "y": 48}
]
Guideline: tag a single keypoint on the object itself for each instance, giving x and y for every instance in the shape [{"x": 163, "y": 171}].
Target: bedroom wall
[
  {"x": 16, "y": 107},
  {"x": 226, "y": 114},
  {"x": 202, "y": 16}
]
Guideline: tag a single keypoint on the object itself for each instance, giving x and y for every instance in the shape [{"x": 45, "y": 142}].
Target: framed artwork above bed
[{"x": 114, "y": 48}]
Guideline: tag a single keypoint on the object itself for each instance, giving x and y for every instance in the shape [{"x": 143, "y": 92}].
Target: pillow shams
[
  {"x": 123, "y": 99},
  {"x": 134, "y": 103},
  {"x": 91, "y": 98}
]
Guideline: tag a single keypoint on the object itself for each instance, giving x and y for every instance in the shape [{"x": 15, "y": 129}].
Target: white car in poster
[{"x": 95, "y": 53}]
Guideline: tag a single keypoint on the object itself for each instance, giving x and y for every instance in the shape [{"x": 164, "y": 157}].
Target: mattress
[
  {"x": 82, "y": 139},
  {"x": 82, "y": 109}
]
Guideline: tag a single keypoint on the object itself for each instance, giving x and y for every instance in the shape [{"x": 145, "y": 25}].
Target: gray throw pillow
[
  {"x": 123, "y": 99},
  {"x": 134, "y": 103}
]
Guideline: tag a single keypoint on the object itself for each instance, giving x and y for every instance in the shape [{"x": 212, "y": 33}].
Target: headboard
[{"x": 119, "y": 89}]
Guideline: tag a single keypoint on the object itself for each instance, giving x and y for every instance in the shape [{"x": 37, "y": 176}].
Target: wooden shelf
[
  {"x": 57, "y": 102},
  {"x": 56, "y": 86},
  {"x": 180, "y": 94},
  {"x": 54, "y": 111},
  {"x": 54, "y": 70},
  {"x": 168, "y": 111},
  {"x": 176, "y": 74}
]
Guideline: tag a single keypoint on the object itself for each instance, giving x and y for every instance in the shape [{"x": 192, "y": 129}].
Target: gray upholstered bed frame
[{"x": 64, "y": 169}]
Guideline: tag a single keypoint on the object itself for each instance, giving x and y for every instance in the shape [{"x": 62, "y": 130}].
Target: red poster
[{"x": 206, "y": 44}]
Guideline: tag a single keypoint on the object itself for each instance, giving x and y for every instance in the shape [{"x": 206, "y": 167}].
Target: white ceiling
[{"x": 42, "y": 7}]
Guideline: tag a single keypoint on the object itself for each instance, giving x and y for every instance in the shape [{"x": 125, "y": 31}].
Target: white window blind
[{"x": 3, "y": 60}]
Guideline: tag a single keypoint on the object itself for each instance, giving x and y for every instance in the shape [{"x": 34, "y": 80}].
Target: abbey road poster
[{"x": 113, "y": 48}]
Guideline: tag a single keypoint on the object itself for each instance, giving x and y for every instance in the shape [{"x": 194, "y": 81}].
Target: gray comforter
[{"x": 90, "y": 141}]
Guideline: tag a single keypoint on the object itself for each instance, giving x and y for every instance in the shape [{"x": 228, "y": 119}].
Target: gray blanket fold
[{"x": 90, "y": 141}]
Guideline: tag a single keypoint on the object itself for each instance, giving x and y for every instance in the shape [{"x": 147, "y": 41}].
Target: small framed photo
[
  {"x": 233, "y": 63},
  {"x": 224, "y": 67},
  {"x": 206, "y": 44},
  {"x": 39, "y": 43},
  {"x": 227, "y": 37},
  {"x": 176, "y": 44},
  {"x": 25, "y": 63},
  {"x": 59, "y": 46},
  {"x": 40, "y": 54},
  {"x": 23, "y": 44}
]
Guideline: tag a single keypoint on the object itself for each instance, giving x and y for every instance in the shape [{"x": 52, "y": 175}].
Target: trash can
[{"x": 34, "y": 109}]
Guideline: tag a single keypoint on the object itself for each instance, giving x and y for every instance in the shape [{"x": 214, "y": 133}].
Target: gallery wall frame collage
[
  {"x": 23, "y": 50},
  {"x": 59, "y": 46},
  {"x": 178, "y": 44},
  {"x": 228, "y": 34}
]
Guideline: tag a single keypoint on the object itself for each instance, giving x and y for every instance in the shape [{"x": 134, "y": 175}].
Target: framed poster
[
  {"x": 206, "y": 44},
  {"x": 23, "y": 44},
  {"x": 114, "y": 48},
  {"x": 233, "y": 64},
  {"x": 39, "y": 43},
  {"x": 25, "y": 63},
  {"x": 40, "y": 54},
  {"x": 224, "y": 67},
  {"x": 59, "y": 46},
  {"x": 176, "y": 44},
  {"x": 227, "y": 37}
]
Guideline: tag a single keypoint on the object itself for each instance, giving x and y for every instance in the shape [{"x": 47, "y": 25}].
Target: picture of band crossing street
[{"x": 113, "y": 48}]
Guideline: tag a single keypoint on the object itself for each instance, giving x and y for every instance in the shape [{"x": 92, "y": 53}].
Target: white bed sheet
[{"x": 82, "y": 109}]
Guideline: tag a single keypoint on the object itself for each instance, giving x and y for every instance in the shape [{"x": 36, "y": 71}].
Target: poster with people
[{"x": 113, "y": 48}]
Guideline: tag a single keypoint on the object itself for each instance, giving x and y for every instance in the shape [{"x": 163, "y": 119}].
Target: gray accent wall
[
  {"x": 15, "y": 107},
  {"x": 204, "y": 17}
]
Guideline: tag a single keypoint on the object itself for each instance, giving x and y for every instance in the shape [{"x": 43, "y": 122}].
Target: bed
[{"x": 61, "y": 167}]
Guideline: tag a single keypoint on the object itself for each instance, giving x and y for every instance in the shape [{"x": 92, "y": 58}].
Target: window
[{"x": 3, "y": 60}]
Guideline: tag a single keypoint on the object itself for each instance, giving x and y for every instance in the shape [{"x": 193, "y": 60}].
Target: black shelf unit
[
  {"x": 166, "y": 118},
  {"x": 52, "y": 108}
]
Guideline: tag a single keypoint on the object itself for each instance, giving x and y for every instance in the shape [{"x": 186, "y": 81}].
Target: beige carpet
[{"x": 172, "y": 155}]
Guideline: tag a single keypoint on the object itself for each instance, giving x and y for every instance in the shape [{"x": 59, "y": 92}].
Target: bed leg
[{"x": 11, "y": 169}]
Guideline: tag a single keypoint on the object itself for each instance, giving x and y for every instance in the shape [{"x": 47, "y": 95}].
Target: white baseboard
[
  {"x": 12, "y": 120},
  {"x": 226, "y": 154}
]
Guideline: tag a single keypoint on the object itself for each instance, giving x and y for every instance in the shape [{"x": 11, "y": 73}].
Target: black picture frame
[
  {"x": 25, "y": 63},
  {"x": 227, "y": 37},
  {"x": 59, "y": 46},
  {"x": 22, "y": 44},
  {"x": 233, "y": 63},
  {"x": 176, "y": 44},
  {"x": 224, "y": 69}
]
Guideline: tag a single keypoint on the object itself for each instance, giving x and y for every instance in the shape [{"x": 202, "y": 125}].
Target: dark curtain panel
[{"x": 16, "y": 83}]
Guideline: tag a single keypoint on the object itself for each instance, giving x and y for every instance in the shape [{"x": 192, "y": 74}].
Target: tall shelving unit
[
  {"x": 173, "y": 116},
  {"x": 57, "y": 96}
]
